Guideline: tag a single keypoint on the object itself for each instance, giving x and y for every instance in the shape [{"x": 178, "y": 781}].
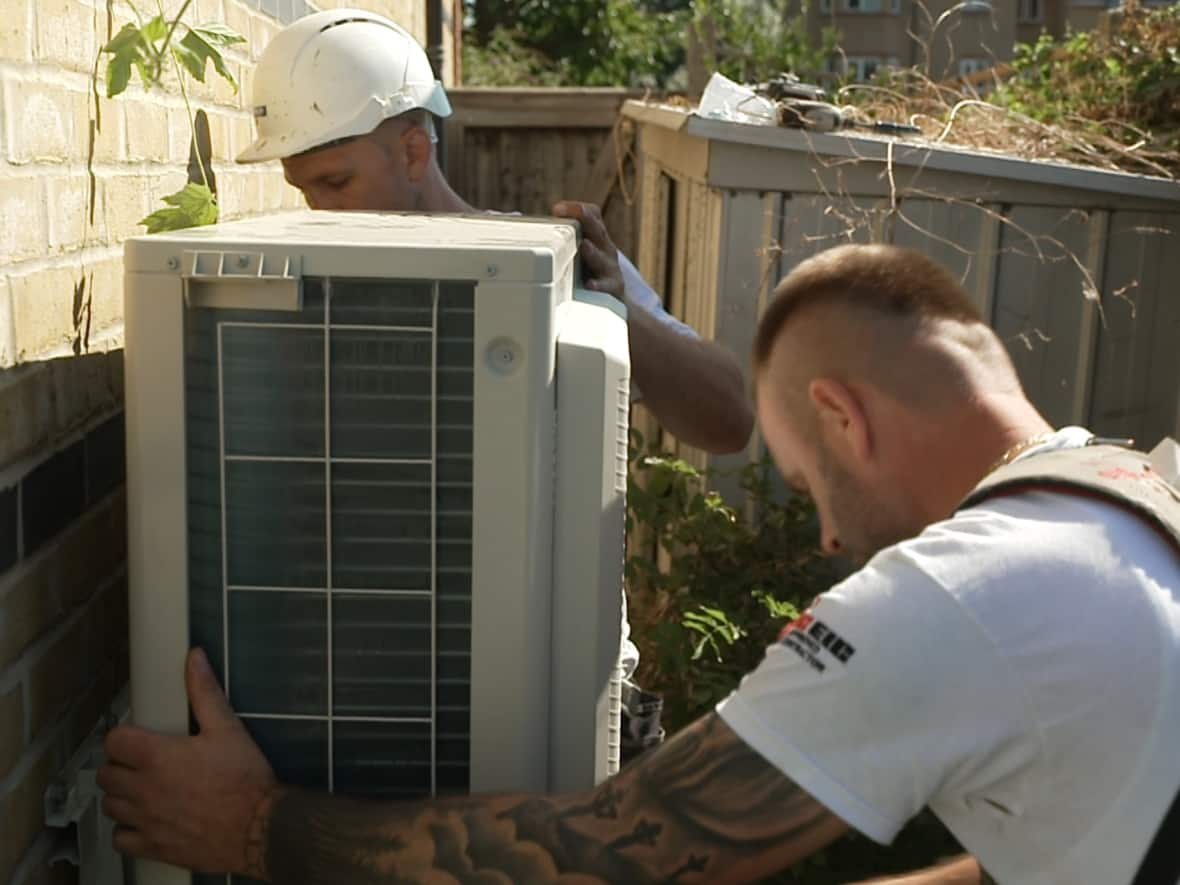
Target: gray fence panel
[
  {"x": 962, "y": 237},
  {"x": 751, "y": 227},
  {"x": 813, "y": 223},
  {"x": 1138, "y": 363},
  {"x": 1041, "y": 310}
]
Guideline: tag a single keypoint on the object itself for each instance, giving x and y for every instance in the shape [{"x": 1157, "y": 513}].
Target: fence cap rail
[
  {"x": 875, "y": 149},
  {"x": 538, "y": 107}
]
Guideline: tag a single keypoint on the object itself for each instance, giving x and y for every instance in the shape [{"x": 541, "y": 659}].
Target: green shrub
[
  {"x": 1121, "y": 83},
  {"x": 709, "y": 590},
  {"x": 637, "y": 43},
  {"x": 506, "y": 60},
  {"x": 572, "y": 43},
  {"x": 754, "y": 42}
]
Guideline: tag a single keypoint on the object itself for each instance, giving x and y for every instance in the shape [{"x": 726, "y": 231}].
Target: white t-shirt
[{"x": 1014, "y": 667}]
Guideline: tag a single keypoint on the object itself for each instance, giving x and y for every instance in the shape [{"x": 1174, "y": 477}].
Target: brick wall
[{"x": 63, "y": 620}]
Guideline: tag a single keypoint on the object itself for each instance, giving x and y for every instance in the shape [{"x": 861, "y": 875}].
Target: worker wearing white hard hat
[
  {"x": 345, "y": 99},
  {"x": 336, "y": 75}
]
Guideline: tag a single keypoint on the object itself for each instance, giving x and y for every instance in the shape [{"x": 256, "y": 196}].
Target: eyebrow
[
  {"x": 320, "y": 177},
  {"x": 325, "y": 177}
]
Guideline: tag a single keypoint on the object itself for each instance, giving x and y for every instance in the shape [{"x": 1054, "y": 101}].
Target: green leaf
[
  {"x": 197, "y": 50},
  {"x": 125, "y": 48},
  {"x": 191, "y": 61},
  {"x": 155, "y": 30},
  {"x": 118, "y": 75},
  {"x": 219, "y": 34},
  {"x": 145, "y": 73},
  {"x": 128, "y": 36},
  {"x": 194, "y": 205}
]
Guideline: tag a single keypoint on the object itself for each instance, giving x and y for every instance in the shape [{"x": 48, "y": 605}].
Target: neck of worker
[
  {"x": 435, "y": 194},
  {"x": 945, "y": 459}
]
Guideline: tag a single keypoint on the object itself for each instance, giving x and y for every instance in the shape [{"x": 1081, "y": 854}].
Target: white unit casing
[{"x": 376, "y": 466}]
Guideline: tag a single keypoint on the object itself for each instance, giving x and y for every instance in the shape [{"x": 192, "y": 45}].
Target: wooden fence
[
  {"x": 525, "y": 149},
  {"x": 1075, "y": 268}
]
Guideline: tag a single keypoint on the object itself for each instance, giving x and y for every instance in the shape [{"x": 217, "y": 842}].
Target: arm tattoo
[{"x": 702, "y": 808}]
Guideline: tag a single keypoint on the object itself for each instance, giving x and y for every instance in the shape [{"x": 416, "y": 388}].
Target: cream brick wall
[
  {"x": 410, "y": 14},
  {"x": 63, "y": 621}
]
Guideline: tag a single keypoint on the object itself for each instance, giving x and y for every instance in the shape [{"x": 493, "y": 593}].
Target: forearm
[
  {"x": 701, "y": 809},
  {"x": 960, "y": 871},
  {"x": 315, "y": 838},
  {"x": 694, "y": 388}
]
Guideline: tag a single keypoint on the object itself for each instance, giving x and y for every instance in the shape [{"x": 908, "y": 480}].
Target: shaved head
[
  {"x": 882, "y": 393},
  {"x": 883, "y": 316},
  {"x": 886, "y": 279}
]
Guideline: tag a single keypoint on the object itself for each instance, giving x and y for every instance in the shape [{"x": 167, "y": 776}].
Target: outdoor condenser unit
[{"x": 376, "y": 468}]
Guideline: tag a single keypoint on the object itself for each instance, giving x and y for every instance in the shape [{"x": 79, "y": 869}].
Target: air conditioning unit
[{"x": 376, "y": 468}]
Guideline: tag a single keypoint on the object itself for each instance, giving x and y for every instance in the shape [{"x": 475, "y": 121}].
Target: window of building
[
  {"x": 969, "y": 66},
  {"x": 891, "y": 6},
  {"x": 859, "y": 67},
  {"x": 1030, "y": 10},
  {"x": 286, "y": 11}
]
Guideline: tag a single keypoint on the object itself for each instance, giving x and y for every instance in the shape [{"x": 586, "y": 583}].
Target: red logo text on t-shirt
[{"x": 810, "y": 637}]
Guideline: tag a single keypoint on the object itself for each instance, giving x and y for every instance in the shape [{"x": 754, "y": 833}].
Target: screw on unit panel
[
  {"x": 504, "y": 356},
  {"x": 243, "y": 260},
  {"x": 173, "y": 263},
  {"x": 493, "y": 270}
]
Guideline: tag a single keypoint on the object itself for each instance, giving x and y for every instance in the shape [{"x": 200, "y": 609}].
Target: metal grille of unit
[{"x": 329, "y": 462}]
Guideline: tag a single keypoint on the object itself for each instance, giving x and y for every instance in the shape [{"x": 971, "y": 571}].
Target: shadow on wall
[{"x": 63, "y": 590}]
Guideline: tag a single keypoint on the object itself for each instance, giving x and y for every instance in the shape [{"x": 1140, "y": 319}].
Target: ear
[
  {"x": 841, "y": 416},
  {"x": 417, "y": 149}
]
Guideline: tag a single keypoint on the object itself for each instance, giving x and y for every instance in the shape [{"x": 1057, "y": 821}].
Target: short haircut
[
  {"x": 888, "y": 279},
  {"x": 415, "y": 117}
]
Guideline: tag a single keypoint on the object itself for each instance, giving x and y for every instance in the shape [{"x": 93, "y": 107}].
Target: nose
[
  {"x": 830, "y": 543},
  {"x": 326, "y": 204},
  {"x": 322, "y": 199}
]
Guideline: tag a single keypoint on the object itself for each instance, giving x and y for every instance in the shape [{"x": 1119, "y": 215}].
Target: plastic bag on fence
[{"x": 723, "y": 99}]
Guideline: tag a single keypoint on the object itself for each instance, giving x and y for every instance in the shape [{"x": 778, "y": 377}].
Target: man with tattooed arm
[{"x": 1003, "y": 656}]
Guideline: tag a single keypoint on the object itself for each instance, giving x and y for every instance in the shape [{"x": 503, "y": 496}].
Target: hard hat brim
[
  {"x": 269, "y": 148},
  {"x": 259, "y": 152}
]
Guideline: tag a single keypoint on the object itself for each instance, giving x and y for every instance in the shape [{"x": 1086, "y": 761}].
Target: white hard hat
[{"x": 333, "y": 75}]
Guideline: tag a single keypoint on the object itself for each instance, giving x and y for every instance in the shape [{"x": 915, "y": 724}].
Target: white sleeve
[
  {"x": 642, "y": 295},
  {"x": 883, "y": 696}
]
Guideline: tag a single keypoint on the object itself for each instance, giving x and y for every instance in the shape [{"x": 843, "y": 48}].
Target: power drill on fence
[{"x": 802, "y": 106}]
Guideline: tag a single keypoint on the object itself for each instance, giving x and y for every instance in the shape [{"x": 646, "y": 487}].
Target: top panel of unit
[{"x": 503, "y": 248}]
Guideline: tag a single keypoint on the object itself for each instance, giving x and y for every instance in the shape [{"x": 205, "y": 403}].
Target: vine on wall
[{"x": 151, "y": 48}]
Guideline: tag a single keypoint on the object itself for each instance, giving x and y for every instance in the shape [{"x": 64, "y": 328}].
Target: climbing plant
[{"x": 151, "y": 47}]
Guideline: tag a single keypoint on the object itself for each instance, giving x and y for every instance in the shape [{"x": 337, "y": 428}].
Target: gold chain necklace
[{"x": 1020, "y": 448}]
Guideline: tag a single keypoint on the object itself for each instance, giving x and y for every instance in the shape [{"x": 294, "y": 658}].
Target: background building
[{"x": 948, "y": 38}]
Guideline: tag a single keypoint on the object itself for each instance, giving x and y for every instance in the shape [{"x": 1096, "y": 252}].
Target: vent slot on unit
[{"x": 332, "y": 447}]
